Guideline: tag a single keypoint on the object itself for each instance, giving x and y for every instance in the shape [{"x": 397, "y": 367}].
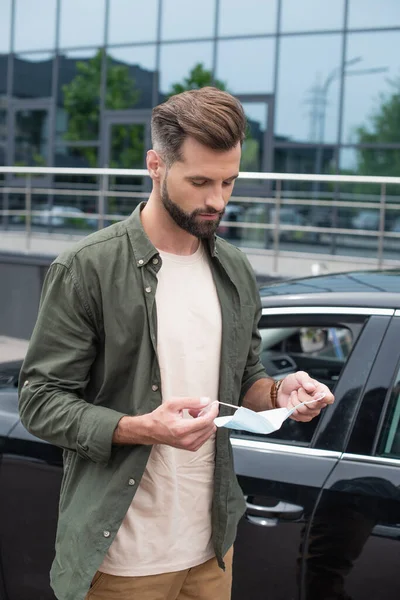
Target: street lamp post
[{"x": 322, "y": 92}]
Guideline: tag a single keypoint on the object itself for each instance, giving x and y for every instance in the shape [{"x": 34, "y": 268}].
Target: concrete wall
[{"x": 21, "y": 280}]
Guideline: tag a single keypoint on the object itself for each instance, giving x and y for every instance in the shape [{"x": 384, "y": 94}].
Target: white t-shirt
[{"x": 168, "y": 525}]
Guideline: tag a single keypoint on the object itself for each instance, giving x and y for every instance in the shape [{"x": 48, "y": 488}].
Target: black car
[{"x": 323, "y": 498}]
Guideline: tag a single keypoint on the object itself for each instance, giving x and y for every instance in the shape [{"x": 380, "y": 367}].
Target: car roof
[{"x": 373, "y": 289}]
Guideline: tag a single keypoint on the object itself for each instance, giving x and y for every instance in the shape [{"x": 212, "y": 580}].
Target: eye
[
  {"x": 228, "y": 183},
  {"x": 198, "y": 183}
]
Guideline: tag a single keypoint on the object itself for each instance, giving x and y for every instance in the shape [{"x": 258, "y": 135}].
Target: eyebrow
[{"x": 203, "y": 178}]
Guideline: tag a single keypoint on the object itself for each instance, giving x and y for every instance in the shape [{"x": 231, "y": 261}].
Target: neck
[{"x": 162, "y": 230}]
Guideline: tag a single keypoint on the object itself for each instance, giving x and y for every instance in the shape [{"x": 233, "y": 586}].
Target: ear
[{"x": 155, "y": 165}]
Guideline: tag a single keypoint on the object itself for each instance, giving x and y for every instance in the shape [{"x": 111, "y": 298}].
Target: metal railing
[{"x": 19, "y": 186}]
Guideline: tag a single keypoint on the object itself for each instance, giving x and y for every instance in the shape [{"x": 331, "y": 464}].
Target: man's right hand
[{"x": 167, "y": 425}]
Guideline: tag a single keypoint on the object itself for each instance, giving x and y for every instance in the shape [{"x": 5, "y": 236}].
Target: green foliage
[
  {"x": 383, "y": 127},
  {"x": 198, "y": 77},
  {"x": 82, "y": 105}
]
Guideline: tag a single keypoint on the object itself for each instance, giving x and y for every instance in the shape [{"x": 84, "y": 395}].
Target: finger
[
  {"x": 211, "y": 408},
  {"x": 302, "y": 412},
  {"x": 305, "y": 381},
  {"x": 194, "y": 442},
  {"x": 179, "y": 404},
  {"x": 188, "y": 426}
]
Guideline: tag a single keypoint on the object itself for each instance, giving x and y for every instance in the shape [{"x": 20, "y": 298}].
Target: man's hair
[{"x": 212, "y": 117}]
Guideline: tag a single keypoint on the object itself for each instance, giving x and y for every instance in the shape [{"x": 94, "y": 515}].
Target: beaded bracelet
[{"x": 274, "y": 393}]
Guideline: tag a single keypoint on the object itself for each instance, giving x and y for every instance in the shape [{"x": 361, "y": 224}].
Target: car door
[
  {"x": 8, "y": 420},
  {"x": 282, "y": 474},
  {"x": 30, "y": 478},
  {"x": 353, "y": 541}
]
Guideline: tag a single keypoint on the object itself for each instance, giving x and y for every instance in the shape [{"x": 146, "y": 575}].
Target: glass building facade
[{"x": 319, "y": 79}]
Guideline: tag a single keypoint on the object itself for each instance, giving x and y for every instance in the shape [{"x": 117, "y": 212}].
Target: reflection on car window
[
  {"x": 320, "y": 351},
  {"x": 389, "y": 444}
]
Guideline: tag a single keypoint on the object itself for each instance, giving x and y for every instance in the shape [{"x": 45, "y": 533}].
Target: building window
[
  {"x": 311, "y": 15},
  {"x": 238, "y": 18},
  {"x": 132, "y": 21},
  {"x": 31, "y": 18},
  {"x": 82, "y": 23},
  {"x": 258, "y": 55},
  {"x": 184, "y": 20},
  {"x": 307, "y": 103},
  {"x": 369, "y": 13},
  {"x": 183, "y": 66},
  {"x": 130, "y": 77}
]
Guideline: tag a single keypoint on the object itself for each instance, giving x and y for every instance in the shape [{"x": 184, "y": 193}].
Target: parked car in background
[
  {"x": 396, "y": 225},
  {"x": 323, "y": 500},
  {"x": 60, "y": 216},
  {"x": 234, "y": 213},
  {"x": 366, "y": 219}
]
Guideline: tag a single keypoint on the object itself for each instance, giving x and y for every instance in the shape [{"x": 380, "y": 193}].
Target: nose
[{"x": 216, "y": 201}]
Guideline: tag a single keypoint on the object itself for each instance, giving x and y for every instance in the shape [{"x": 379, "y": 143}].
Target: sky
[{"x": 247, "y": 66}]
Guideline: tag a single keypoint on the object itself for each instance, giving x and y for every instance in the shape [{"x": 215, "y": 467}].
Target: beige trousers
[{"x": 204, "y": 582}]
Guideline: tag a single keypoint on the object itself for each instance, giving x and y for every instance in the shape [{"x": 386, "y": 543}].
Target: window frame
[
  {"x": 373, "y": 407},
  {"x": 354, "y": 318}
]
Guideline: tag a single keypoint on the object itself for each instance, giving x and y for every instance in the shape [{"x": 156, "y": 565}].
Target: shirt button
[
  {"x": 26, "y": 383},
  {"x": 140, "y": 262},
  {"x": 148, "y": 289},
  {"x": 131, "y": 482},
  {"x": 154, "y": 388},
  {"x": 106, "y": 534},
  {"x": 155, "y": 261}
]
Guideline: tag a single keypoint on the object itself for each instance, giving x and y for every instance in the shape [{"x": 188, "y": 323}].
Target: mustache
[{"x": 211, "y": 211}]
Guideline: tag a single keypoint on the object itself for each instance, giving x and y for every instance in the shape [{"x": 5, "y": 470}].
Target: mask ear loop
[{"x": 320, "y": 397}]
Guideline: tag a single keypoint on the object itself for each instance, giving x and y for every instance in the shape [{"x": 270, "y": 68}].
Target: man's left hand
[{"x": 300, "y": 387}]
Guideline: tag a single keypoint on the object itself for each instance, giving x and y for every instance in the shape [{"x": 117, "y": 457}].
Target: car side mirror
[{"x": 313, "y": 339}]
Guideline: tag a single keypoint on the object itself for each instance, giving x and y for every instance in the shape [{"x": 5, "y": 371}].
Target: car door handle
[{"x": 268, "y": 515}]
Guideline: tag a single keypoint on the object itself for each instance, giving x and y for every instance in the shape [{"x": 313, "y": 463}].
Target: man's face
[{"x": 196, "y": 189}]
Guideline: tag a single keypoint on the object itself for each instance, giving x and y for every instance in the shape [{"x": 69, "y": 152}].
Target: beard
[{"x": 189, "y": 221}]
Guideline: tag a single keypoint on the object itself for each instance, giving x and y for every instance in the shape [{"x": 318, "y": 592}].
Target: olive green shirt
[{"x": 92, "y": 359}]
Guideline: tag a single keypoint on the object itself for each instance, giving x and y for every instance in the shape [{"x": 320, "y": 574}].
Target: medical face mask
[{"x": 263, "y": 422}]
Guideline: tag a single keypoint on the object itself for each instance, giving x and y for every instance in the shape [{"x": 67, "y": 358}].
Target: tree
[
  {"x": 383, "y": 127},
  {"x": 82, "y": 105},
  {"x": 198, "y": 77}
]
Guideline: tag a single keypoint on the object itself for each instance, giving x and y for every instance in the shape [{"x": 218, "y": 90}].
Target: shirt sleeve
[
  {"x": 56, "y": 371},
  {"x": 254, "y": 369}
]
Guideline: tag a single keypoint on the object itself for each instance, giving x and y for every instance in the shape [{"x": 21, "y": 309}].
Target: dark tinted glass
[
  {"x": 389, "y": 444},
  {"x": 76, "y": 158},
  {"x": 3, "y": 74},
  {"x": 31, "y": 137},
  {"x": 33, "y": 75},
  {"x": 3, "y": 122},
  {"x": 31, "y": 18}
]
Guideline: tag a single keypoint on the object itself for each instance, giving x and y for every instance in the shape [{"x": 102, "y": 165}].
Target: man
[{"x": 141, "y": 327}]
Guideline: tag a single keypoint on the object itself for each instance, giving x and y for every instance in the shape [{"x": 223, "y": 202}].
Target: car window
[
  {"x": 389, "y": 443},
  {"x": 321, "y": 351}
]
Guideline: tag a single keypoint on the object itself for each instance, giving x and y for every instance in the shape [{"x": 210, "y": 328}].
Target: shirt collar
[{"x": 143, "y": 249}]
